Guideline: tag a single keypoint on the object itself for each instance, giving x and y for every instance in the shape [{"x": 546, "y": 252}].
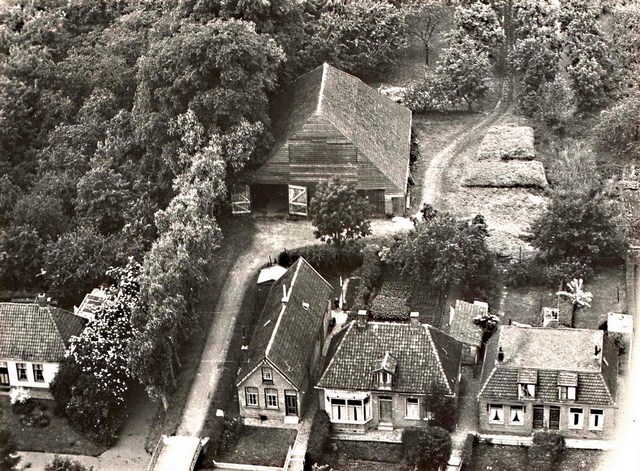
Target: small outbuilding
[
  {"x": 331, "y": 124},
  {"x": 465, "y": 330}
]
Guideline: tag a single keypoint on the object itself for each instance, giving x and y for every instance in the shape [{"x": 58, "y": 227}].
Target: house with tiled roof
[
  {"x": 385, "y": 375},
  {"x": 33, "y": 341},
  {"x": 285, "y": 350},
  {"x": 462, "y": 327},
  {"x": 549, "y": 379},
  {"x": 327, "y": 124}
]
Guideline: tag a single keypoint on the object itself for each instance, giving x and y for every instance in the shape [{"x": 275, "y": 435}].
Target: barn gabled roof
[{"x": 379, "y": 128}]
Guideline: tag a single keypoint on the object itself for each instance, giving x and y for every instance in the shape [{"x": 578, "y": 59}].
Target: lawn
[
  {"x": 513, "y": 458},
  {"x": 260, "y": 446},
  {"x": 355, "y": 465},
  {"x": 57, "y": 437},
  {"x": 237, "y": 232},
  {"x": 609, "y": 295}
]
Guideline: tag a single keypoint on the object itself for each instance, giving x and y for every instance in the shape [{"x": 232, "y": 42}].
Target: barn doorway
[{"x": 269, "y": 200}]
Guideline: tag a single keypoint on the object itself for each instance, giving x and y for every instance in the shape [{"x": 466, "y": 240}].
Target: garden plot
[
  {"x": 392, "y": 301},
  {"x": 512, "y": 174}
]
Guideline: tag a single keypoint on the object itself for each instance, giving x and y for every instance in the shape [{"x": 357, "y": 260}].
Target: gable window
[
  {"x": 496, "y": 414},
  {"x": 21, "y": 370},
  {"x": 526, "y": 391},
  {"x": 267, "y": 375},
  {"x": 271, "y": 398},
  {"x": 516, "y": 416},
  {"x": 413, "y": 408},
  {"x": 576, "y": 417},
  {"x": 567, "y": 393},
  {"x": 38, "y": 375},
  {"x": 251, "y": 396},
  {"x": 596, "y": 419}
]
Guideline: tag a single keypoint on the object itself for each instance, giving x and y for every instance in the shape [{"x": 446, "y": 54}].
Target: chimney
[
  {"x": 414, "y": 320},
  {"x": 500, "y": 355},
  {"x": 42, "y": 300},
  {"x": 596, "y": 351},
  {"x": 285, "y": 298},
  {"x": 361, "y": 320}
]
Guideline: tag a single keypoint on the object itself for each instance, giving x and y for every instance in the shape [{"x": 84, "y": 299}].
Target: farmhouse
[
  {"x": 384, "y": 375},
  {"x": 328, "y": 124},
  {"x": 549, "y": 378},
  {"x": 33, "y": 340},
  {"x": 286, "y": 347}
]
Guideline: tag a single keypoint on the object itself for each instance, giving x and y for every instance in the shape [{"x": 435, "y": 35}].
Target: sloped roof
[
  {"x": 557, "y": 356},
  {"x": 91, "y": 302},
  {"x": 286, "y": 332},
  {"x": 428, "y": 360},
  {"x": 379, "y": 128},
  {"x": 462, "y": 327},
  {"x": 30, "y": 332}
]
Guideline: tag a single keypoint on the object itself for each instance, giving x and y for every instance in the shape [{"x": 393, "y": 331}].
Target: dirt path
[{"x": 434, "y": 173}]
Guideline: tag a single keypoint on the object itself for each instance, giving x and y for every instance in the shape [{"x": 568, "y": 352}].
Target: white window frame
[
  {"x": 412, "y": 408},
  {"x": 567, "y": 393},
  {"x": 350, "y": 411},
  {"x": 573, "y": 414},
  {"x": 269, "y": 395},
  {"x": 526, "y": 391},
  {"x": 519, "y": 410},
  {"x": 496, "y": 410},
  {"x": 593, "y": 415},
  {"x": 22, "y": 367},
  {"x": 38, "y": 367},
  {"x": 267, "y": 374},
  {"x": 251, "y": 391}
]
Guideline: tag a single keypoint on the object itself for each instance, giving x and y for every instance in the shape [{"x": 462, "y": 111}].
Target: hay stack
[
  {"x": 508, "y": 142},
  {"x": 499, "y": 174}
]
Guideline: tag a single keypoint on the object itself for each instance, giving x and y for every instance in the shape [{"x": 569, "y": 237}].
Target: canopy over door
[
  {"x": 241, "y": 200},
  {"x": 298, "y": 200}
]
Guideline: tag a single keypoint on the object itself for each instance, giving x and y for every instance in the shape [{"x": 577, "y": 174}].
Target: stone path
[{"x": 467, "y": 415}]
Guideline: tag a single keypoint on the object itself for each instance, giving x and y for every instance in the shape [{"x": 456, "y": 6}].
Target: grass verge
[{"x": 260, "y": 446}]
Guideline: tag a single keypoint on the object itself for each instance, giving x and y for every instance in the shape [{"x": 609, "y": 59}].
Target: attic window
[
  {"x": 527, "y": 380},
  {"x": 567, "y": 393},
  {"x": 267, "y": 375},
  {"x": 526, "y": 391},
  {"x": 385, "y": 380}
]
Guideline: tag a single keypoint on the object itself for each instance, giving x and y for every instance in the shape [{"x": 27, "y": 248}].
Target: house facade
[
  {"x": 331, "y": 124},
  {"x": 549, "y": 379},
  {"x": 286, "y": 347},
  {"x": 462, "y": 327},
  {"x": 384, "y": 375},
  {"x": 33, "y": 340}
]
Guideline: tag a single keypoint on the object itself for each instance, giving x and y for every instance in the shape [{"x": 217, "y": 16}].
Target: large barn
[{"x": 330, "y": 123}]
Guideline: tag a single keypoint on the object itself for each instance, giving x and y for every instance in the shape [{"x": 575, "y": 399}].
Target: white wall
[{"x": 49, "y": 371}]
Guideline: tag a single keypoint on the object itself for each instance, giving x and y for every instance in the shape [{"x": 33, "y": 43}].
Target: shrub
[
  {"x": 66, "y": 464},
  {"x": 319, "y": 439},
  {"x": 527, "y": 272},
  {"x": 391, "y": 302},
  {"x": 21, "y": 402},
  {"x": 8, "y": 457},
  {"x": 546, "y": 450},
  {"x": 62, "y": 384},
  {"x": 427, "y": 95},
  {"x": 426, "y": 448},
  {"x": 566, "y": 269},
  {"x": 325, "y": 257},
  {"x": 233, "y": 429},
  {"x": 371, "y": 269}
]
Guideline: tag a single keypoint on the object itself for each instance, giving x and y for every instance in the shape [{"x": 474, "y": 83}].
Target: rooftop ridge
[
  {"x": 437, "y": 354},
  {"x": 281, "y": 315},
  {"x": 325, "y": 68}
]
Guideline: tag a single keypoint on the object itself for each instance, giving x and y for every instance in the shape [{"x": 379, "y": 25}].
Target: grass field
[
  {"x": 57, "y": 437},
  {"x": 260, "y": 446}
]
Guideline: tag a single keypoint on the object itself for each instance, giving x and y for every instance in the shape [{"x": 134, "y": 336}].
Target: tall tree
[{"x": 424, "y": 19}]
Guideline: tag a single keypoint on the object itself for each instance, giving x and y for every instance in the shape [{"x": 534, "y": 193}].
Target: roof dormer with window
[
  {"x": 567, "y": 385},
  {"x": 527, "y": 380},
  {"x": 384, "y": 372}
]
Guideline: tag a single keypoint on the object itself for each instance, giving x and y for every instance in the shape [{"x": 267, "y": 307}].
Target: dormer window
[
  {"x": 567, "y": 385},
  {"x": 527, "y": 380},
  {"x": 384, "y": 371},
  {"x": 267, "y": 375}
]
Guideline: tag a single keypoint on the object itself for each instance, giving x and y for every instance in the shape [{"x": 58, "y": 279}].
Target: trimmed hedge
[
  {"x": 319, "y": 438},
  {"x": 325, "y": 257}
]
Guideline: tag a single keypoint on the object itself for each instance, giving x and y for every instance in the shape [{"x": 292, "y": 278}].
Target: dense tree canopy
[{"x": 427, "y": 449}]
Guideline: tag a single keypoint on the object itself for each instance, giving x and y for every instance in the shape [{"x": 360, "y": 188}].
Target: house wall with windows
[
  {"x": 527, "y": 417},
  {"x": 27, "y": 374},
  {"x": 266, "y": 394}
]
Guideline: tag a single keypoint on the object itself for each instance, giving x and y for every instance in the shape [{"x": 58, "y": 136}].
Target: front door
[
  {"x": 291, "y": 402},
  {"x": 386, "y": 409},
  {"x": 538, "y": 417},
  {"x": 298, "y": 200},
  {"x": 554, "y": 418},
  {"x": 4, "y": 375}
]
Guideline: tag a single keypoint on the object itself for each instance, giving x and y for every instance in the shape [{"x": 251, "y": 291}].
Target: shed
[
  {"x": 464, "y": 329},
  {"x": 266, "y": 278},
  {"x": 331, "y": 124}
]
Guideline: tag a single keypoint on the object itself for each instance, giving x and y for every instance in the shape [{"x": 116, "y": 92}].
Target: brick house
[
  {"x": 33, "y": 341},
  {"x": 383, "y": 374},
  {"x": 549, "y": 379},
  {"x": 286, "y": 347},
  {"x": 329, "y": 123}
]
